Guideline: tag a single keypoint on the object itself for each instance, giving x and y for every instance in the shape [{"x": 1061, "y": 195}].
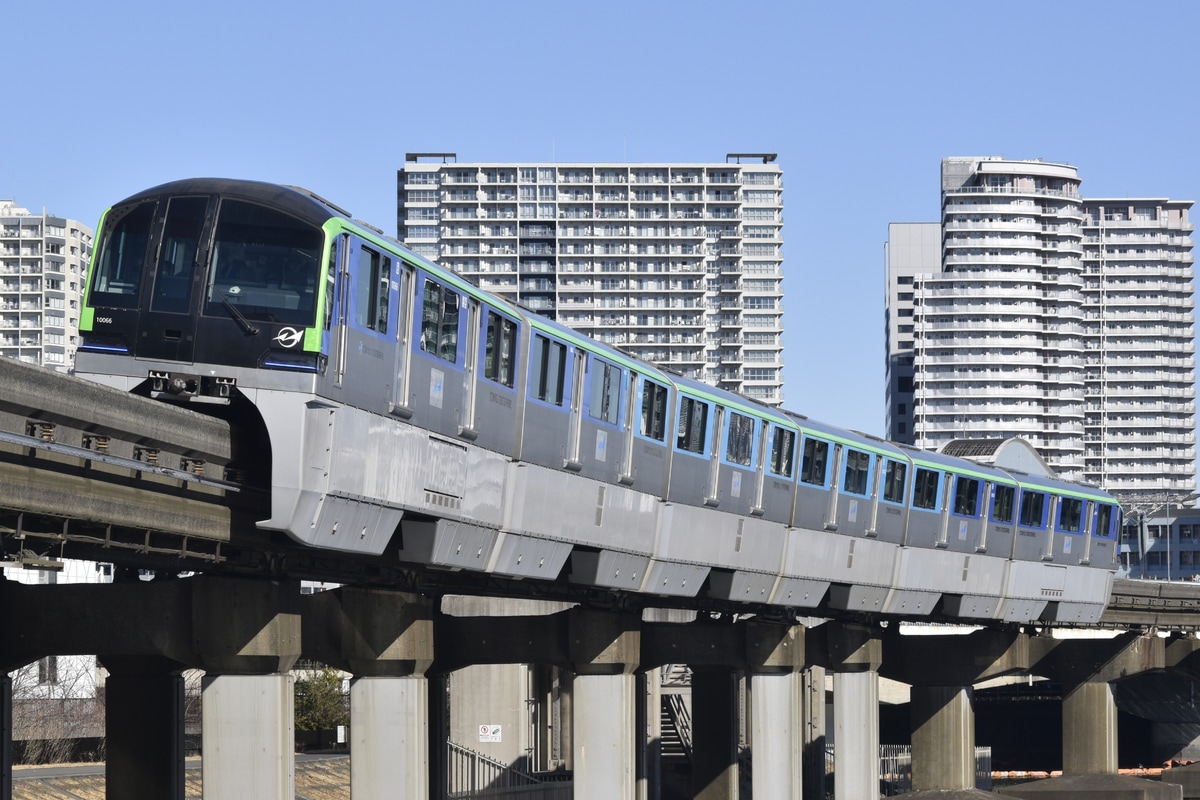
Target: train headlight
[{"x": 300, "y": 362}]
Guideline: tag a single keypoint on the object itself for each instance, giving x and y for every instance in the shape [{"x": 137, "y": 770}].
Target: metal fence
[
  {"x": 473, "y": 775},
  {"x": 895, "y": 768}
]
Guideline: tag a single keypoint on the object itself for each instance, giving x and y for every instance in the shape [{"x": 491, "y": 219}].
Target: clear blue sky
[{"x": 860, "y": 100}]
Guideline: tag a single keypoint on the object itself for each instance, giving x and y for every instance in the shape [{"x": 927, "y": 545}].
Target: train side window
[
  {"x": 783, "y": 451},
  {"x": 331, "y": 270},
  {"x": 739, "y": 444},
  {"x": 966, "y": 496},
  {"x": 1033, "y": 513},
  {"x": 693, "y": 425},
  {"x": 816, "y": 456},
  {"x": 499, "y": 349},
  {"x": 548, "y": 369},
  {"x": 654, "y": 410},
  {"x": 371, "y": 300},
  {"x": 894, "y": 475},
  {"x": 1003, "y": 498},
  {"x": 1070, "y": 514},
  {"x": 604, "y": 400},
  {"x": 925, "y": 488},
  {"x": 857, "y": 474},
  {"x": 1103, "y": 524},
  {"x": 121, "y": 257},
  {"x": 439, "y": 321}
]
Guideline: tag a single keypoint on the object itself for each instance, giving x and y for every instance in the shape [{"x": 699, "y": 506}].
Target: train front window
[
  {"x": 265, "y": 264},
  {"x": 177, "y": 254},
  {"x": 120, "y": 256}
]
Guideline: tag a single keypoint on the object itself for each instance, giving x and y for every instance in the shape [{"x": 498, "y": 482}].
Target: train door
[
  {"x": 401, "y": 403},
  {"x": 831, "y": 510},
  {"x": 339, "y": 305},
  {"x": 466, "y": 424},
  {"x": 757, "y": 508},
  {"x": 1090, "y": 509},
  {"x": 571, "y": 460},
  {"x": 712, "y": 496},
  {"x": 167, "y": 328},
  {"x": 625, "y": 471}
]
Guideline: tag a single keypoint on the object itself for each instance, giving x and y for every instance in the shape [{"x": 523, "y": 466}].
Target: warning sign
[{"x": 489, "y": 733}]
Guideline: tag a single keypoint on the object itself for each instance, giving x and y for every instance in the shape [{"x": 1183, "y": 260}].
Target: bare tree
[{"x": 57, "y": 711}]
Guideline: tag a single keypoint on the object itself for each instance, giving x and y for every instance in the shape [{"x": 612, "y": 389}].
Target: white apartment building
[
  {"x": 43, "y": 260},
  {"x": 1030, "y": 311},
  {"x": 677, "y": 264}
]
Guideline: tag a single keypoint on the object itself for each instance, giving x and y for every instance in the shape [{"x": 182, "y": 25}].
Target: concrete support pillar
[
  {"x": 5, "y": 736},
  {"x": 943, "y": 737},
  {"x": 813, "y": 768},
  {"x": 603, "y": 737},
  {"x": 604, "y": 650},
  {"x": 777, "y": 734},
  {"x": 714, "y": 734},
  {"x": 856, "y": 735},
  {"x": 249, "y": 737},
  {"x": 386, "y": 640},
  {"x": 144, "y": 730},
  {"x": 1090, "y": 730},
  {"x": 649, "y": 722},
  {"x": 389, "y": 737}
]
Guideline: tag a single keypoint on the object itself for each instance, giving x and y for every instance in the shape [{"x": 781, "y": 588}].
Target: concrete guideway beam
[
  {"x": 213, "y": 623},
  {"x": 369, "y": 632}
]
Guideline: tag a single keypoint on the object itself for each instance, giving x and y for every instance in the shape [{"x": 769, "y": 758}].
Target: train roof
[{"x": 301, "y": 203}]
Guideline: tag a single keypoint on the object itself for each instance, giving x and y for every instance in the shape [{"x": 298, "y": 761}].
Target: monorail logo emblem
[{"x": 289, "y": 337}]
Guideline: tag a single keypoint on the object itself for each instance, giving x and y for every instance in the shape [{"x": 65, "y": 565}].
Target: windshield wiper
[{"x": 238, "y": 316}]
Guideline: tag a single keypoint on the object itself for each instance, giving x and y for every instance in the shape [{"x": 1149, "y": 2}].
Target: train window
[
  {"x": 331, "y": 271},
  {"x": 1033, "y": 509},
  {"x": 499, "y": 350},
  {"x": 966, "y": 496},
  {"x": 783, "y": 451},
  {"x": 925, "y": 488},
  {"x": 177, "y": 254},
  {"x": 122, "y": 253},
  {"x": 1070, "y": 514},
  {"x": 439, "y": 321},
  {"x": 548, "y": 369},
  {"x": 1103, "y": 524},
  {"x": 816, "y": 456},
  {"x": 739, "y": 446},
  {"x": 1002, "y": 503},
  {"x": 693, "y": 425},
  {"x": 371, "y": 300},
  {"x": 893, "y": 481},
  {"x": 605, "y": 398},
  {"x": 858, "y": 469},
  {"x": 265, "y": 263},
  {"x": 654, "y": 410}
]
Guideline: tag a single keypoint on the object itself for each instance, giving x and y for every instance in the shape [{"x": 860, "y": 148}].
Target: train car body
[{"x": 408, "y": 411}]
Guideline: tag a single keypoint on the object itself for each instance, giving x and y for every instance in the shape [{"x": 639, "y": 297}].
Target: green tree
[{"x": 320, "y": 701}]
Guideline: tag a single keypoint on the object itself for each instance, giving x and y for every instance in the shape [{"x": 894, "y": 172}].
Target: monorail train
[{"x": 401, "y": 401}]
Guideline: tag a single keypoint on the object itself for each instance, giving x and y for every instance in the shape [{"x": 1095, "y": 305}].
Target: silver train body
[{"x": 410, "y": 413}]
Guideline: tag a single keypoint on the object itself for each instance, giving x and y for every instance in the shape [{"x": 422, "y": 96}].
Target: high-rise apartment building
[
  {"x": 678, "y": 264},
  {"x": 1031, "y": 311},
  {"x": 43, "y": 260}
]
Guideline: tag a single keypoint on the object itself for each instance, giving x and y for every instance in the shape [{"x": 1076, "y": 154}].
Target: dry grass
[{"x": 315, "y": 780}]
